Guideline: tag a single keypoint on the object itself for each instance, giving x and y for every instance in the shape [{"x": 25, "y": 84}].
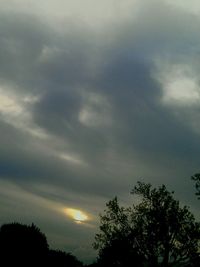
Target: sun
[{"x": 77, "y": 215}]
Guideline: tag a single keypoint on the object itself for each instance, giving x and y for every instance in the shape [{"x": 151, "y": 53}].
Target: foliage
[
  {"x": 196, "y": 178},
  {"x": 24, "y": 245},
  {"x": 156, "y": 232},
  {"x": 62, "y": 259}
]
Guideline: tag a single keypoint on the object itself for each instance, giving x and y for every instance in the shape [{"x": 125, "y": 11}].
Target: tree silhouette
[
  {"x": 22, "y": 245},
  {"x": 196, "y": 178},
  {"x": 119, "y": 252},
  {"x": 62, "y": 259},
  {"x": 156, "y": 232}
]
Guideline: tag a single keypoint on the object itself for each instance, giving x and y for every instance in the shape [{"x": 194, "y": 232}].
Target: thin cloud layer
[{"x": 94, "y": 97}]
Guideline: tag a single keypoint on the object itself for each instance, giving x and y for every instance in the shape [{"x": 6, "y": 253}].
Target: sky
[{"x": 95, "y": 96}]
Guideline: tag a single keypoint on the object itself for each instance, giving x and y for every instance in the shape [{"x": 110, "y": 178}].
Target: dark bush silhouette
[
  {"x": 195, "y": 262},
  {"x": 62, "y": 259},
  {"x": 24, "y": 245},
  {"x": 94, "y": 264}
]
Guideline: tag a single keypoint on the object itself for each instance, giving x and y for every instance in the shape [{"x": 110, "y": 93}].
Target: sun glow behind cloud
[{"x": 77, "y": 215}]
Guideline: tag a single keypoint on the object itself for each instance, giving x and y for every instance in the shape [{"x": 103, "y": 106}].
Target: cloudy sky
[{"x": 94, "y": 96}]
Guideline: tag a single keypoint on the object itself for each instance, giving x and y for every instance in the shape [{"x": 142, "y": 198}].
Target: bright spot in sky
[
  {"x": 182, "y": 90},
  {"x": 77, "y": 215},
  {"x": 179, "y": 83}
]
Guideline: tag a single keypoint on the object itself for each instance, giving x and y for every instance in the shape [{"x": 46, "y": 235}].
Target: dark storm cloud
[
  {"x": 26, "y": 163},
  {"x": 37, "y": 59},
  {"x": 34, "y": 57},
  {"x": 58, "y": 67},
  {"x": 22, "y": 38}
]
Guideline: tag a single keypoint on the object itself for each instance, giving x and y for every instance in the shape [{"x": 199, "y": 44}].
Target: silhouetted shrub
[
  {"x": 62, "y": 259},
  {"x": 22, "y": 245}
]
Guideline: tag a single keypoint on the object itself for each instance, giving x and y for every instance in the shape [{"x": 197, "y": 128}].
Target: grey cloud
[
  {"x": 28, "y": 161},
  {"x": 22, "y": 39},
  {"x": 58, "y": 66}
]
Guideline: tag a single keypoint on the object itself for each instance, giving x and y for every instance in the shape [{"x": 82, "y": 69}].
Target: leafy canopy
[
  {"x": 155, "y": 232},
  {"x": 196, "y": 178}
]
